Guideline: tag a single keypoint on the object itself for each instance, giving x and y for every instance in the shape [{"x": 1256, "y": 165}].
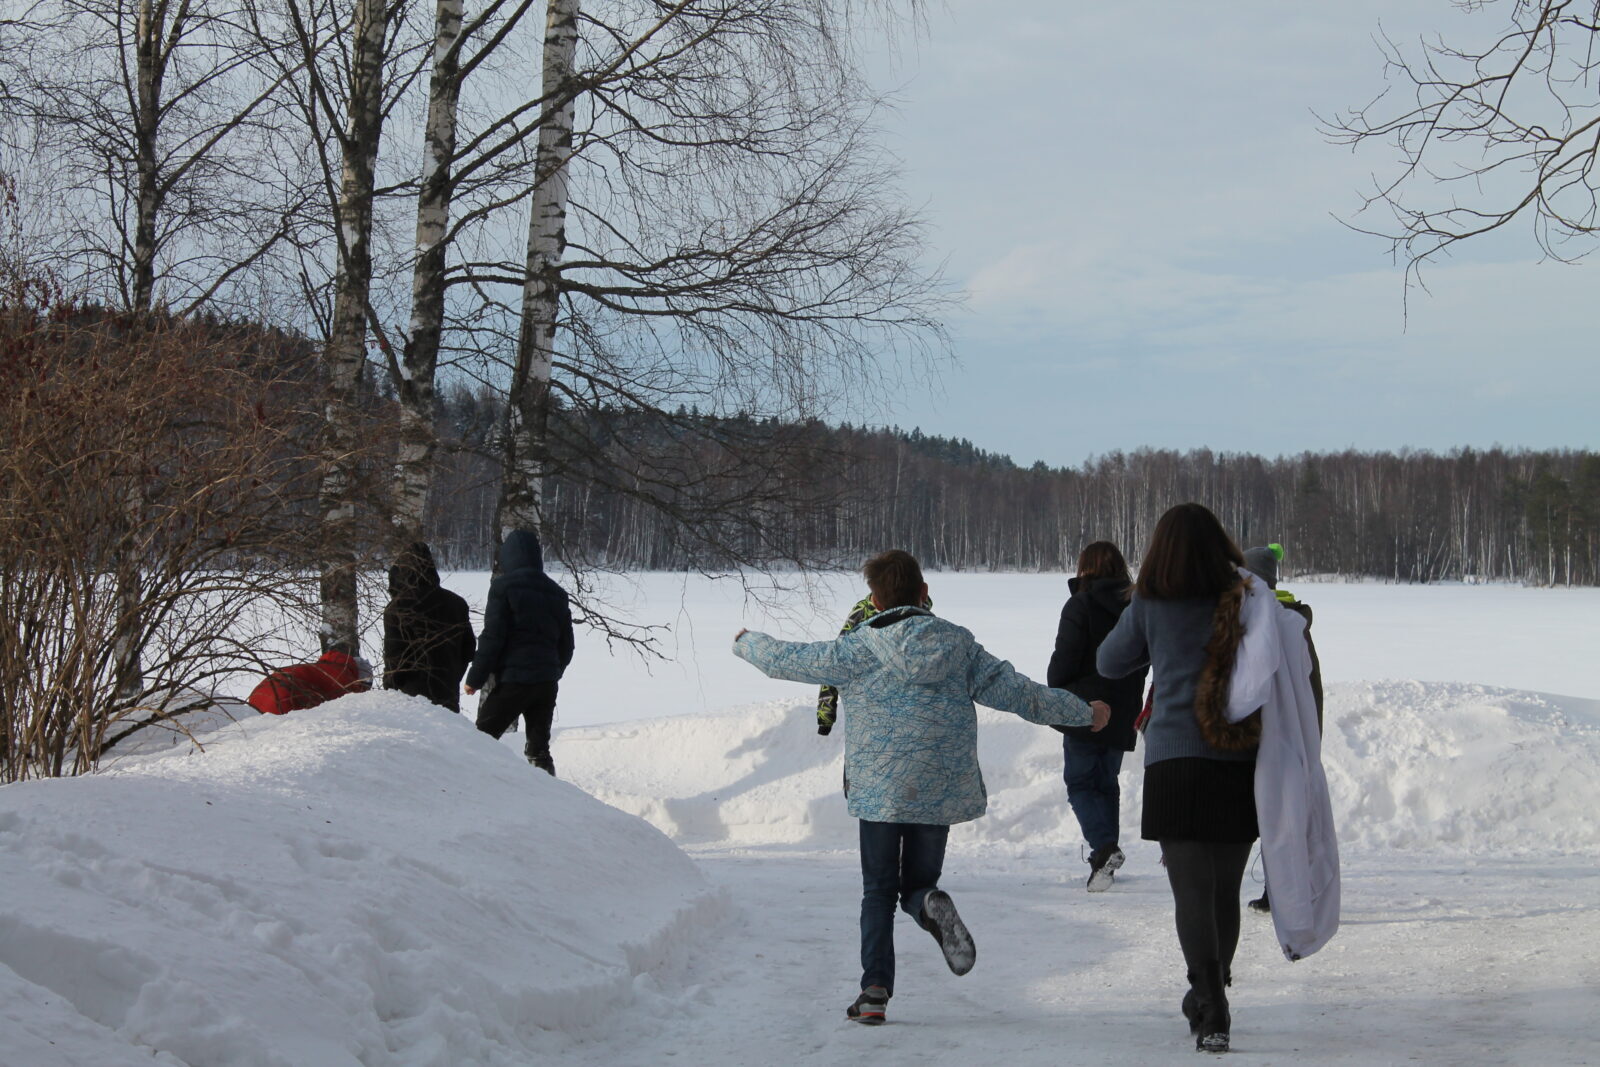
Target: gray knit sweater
[{"x": 1170, "y": 636}]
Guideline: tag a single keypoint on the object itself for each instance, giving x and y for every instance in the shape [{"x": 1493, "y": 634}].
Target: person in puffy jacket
[
  {"x": 427, "y": 631},
  {"x": 1091, "y": 761},
  {"x": 909, "y": 680},
  {"x": 305, "y": 685},
  {"x": 525, "y": 647}
]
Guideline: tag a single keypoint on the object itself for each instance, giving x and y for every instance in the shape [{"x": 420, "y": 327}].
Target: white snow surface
[
  {"x": 374, "y": 882},
  {"x": 367, "y": 882}
]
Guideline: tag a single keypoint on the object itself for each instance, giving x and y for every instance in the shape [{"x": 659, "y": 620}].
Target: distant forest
[{"x": 835, "y": 495}]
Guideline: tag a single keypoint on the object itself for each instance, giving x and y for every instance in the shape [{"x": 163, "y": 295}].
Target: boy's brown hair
[{"x": 895, "y": 578}]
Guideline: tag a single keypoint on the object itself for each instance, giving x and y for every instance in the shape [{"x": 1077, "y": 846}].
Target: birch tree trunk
[
  {"x": 418, "y": 438},
  {"x": 150, "y": 70},
  {"x": 529, "y": 400},
  {"x": 345, "y": 355},
  {"x": 150, "y": 31}
]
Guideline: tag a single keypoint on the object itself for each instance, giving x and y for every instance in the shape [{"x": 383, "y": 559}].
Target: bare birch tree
[
  {"x": 215, "y": 427},
  {"x": 711, "y": 224},
  {"x": 152, "y": 125},
  {"x": 418, "y": 366},
  {"x": 354, "y": 72}
]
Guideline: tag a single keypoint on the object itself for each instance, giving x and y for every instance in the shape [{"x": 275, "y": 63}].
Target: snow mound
[
  {"x": 1420, "y": 765},
  {"x": 367, "y": 882},
  {"x": 1411, "y": 765}
]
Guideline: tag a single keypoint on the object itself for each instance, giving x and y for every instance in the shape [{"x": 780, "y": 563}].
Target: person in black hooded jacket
[
  {"x": 1092, "y": 761},
  {"x": 427, "y": 631},
  {"x": 526, "y": 645}
]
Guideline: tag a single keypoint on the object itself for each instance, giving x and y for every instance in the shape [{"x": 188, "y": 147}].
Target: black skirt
[{"x": 1195, "y": 799}]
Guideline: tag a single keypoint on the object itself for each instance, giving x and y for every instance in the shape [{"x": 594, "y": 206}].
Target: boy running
[{"x": 911, "y": 752}]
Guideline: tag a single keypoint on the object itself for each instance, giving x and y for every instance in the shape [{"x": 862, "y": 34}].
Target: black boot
[
  {"x": 1192, "y": 1010},
  {"x": 1211, "y": 1001}
]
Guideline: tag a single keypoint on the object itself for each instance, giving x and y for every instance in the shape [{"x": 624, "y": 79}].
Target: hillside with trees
[{"x": 834, "y": 495}]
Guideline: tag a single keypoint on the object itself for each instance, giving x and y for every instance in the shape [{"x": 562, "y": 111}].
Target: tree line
[{"x": 842, "y": 493}]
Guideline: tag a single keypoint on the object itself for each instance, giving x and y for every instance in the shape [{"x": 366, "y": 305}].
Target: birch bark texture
[
  {"x": 345, "y": 354},
  {"x": 419, "y": 361},
  {"x": 529, "y": 402}
]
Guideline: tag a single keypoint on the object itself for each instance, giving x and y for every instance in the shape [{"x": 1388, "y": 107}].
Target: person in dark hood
[
  {"x": 427, "y": 631},
  {"x": 1092, "y": 761},
  {"x": 525, "y": 647}
]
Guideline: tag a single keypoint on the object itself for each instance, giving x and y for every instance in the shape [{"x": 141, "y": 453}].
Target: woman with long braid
[{"x": 1199, "y": 802}]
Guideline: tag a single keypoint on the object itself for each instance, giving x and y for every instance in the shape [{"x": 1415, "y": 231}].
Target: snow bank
[
  {"x": 1416, "y": 765},
  {"x": 371, "y": 881},
  {"x": 1411, "y": 765}
]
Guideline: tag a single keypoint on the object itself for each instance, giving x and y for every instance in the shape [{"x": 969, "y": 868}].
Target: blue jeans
[
  {"x": 899, "y": 860},
  {"x": 1091, "y": 773}
]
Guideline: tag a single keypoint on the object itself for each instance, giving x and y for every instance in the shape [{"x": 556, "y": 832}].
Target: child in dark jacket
[
  {"x": 427, "y": 631},
  {"x": 1092, "y": 761},
  {"x": 525, "y": 647}
]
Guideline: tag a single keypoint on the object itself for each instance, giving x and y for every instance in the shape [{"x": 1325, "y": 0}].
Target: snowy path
[
  {"x": 1437, "y": 962},
  {"x": 688, "y": 891}
]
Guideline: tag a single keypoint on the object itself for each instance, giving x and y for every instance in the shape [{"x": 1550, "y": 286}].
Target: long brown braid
[{"x": 1211, "y": 693}]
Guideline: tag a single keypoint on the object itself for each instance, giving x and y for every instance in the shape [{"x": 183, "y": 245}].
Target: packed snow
[{"x": 374, "y": 882}]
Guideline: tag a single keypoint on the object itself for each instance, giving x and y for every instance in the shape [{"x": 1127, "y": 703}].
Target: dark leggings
[{"x": 1205, "y": 877}]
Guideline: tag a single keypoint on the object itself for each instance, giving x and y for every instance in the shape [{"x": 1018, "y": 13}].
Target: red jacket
[{"x": 305, "y": 685}]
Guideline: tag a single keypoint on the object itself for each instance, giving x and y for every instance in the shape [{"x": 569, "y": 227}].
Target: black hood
[
  {"x": 1107, "y": 594},
  {"x": 413, "y": 572},
  {"x": 521, "y": 551}
]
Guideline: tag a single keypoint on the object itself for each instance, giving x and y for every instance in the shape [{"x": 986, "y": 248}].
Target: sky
[{"x": 1144, "y": 218}]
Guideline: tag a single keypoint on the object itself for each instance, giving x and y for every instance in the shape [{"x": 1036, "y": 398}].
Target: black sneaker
[
  {"x": 1261, "y": 904},
  {"x": 870, "y": 1006},
  {"x": 1103, "y": 862},
  {"x": 939, "y": 918}
]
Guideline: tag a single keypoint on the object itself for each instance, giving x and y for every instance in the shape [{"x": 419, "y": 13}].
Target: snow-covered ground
[{"x": 373, "y": 882}]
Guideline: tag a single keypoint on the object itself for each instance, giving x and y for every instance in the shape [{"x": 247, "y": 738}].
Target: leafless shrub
[{"x": 157, "y": 519}]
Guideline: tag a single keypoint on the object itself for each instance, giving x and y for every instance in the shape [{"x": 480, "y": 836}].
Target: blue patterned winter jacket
[{"x": 908, "y": 681}]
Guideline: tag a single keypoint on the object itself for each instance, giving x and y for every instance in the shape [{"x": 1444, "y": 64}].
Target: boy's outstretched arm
[
  {"x": 997, "y": 684},
  {"x": 817, "y": 662}
]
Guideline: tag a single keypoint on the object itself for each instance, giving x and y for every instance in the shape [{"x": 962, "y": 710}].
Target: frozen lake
[{"x": 1522, "y": 638}]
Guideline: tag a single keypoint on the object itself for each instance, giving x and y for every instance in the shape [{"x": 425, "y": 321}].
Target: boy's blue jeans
[
  {"x": 899, "y": 861},
  {"x": 1091, "y": 772}
]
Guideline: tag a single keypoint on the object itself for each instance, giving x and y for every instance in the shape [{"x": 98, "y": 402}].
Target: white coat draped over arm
[{"x": 1299, "y": 848}]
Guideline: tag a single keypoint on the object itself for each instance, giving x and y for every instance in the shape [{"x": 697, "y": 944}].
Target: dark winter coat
[
  {"x": 305, "y": 685},
  {"x": 1302, "y": 609},
  {"x": 427, "y": 631},
  {"x": 1086, "y": 618},
  {"x": 527, "y": 624}
]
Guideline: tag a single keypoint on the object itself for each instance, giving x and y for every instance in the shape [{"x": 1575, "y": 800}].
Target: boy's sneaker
[
  {"x": 870, "y": 1006},
  {"x": 1262, "y": 904},
  {"x": 1103, "y": 862},
  {"x": 939, "y": 918}
]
